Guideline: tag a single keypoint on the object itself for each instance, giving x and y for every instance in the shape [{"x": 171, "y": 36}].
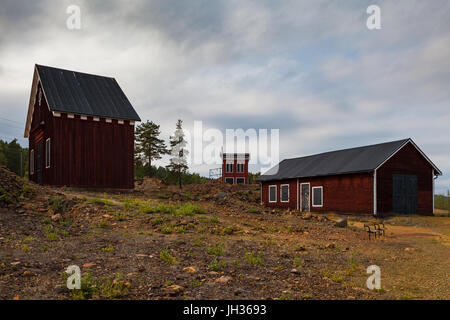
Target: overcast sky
[{"x": 309, "y": 68}]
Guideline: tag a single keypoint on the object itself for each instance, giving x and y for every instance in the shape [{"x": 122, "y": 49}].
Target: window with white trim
[
  {"x": 229, "y": 180},
  {"x": 240, "y": 167},
  {"x": 273, "y": 193},
  {"x": 240, "y": 180},
  {"x": 31, "y": 162},
  {"x": 47, "y": 153},
  {"x": 317, "y": 196},
  {"x": 229, "y": 167},
  {"x": 40, "y": 96},
  {"x": 284, "y": 193}
]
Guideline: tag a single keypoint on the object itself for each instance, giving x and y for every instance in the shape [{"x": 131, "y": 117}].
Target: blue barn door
[{"x": 404, "y": 193}]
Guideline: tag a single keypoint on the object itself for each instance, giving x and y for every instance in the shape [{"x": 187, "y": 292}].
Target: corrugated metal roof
[
  {"x": 87, "y": 94},
  {"x": 360, "y": 159}
]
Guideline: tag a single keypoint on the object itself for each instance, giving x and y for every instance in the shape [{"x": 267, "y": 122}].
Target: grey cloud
[{"x": 310, "y": 68}]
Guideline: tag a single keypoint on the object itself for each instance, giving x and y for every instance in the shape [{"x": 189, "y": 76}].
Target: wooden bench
[
  {"x": 377, "y": 229},
  {"x": 370, "y": 229},
  {"x": 380, "y": 228}
]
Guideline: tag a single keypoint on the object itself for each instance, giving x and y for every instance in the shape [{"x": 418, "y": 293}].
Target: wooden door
[
  {"x": 304, "y": 197},
  {"x": 404, "y": 193}
]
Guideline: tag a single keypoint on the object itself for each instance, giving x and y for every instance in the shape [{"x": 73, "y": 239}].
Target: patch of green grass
[
  {"x": 157, "y": 221},
  {"x": 285, "y": 296},
  {"x": 167, "y": 257},
  {"x": 214, "y": 220},
  {"x": 50, "y": 234},
  {"x": 353, "y": 265},
  {"x": 159, "y": 208},
  {"x": 180, "y": 230},
  {"x": 254, "y": 259},
  {"x": 290, "y": 229},
  {"x": 166, "y": 229},
  {"x": 113, "y": 289},
  {"x": 197, "y": 242},
  {"x": 253, "y": 210},
  {"x": 101, "y": 201},
  {"x": 217, "y": 265},
  {"x": 102, "y": 224},
  {"x": 196, "y": 283},
  {"x": 120, "y": 216},
  {"x": 298, "y": 263},
  {"x": 57, "y": 204},
  {"x": 28, "y": 239},
  {"x": 229, "y": 230},
  {"x": 106, "y": 288},
  {"x": 333, "y": 276},
  {"x": 189, "y": 209},
  {"x": 27, "y": 190},
  {"x": 217, "y": 249},
  {"x": 109, "y": 248},
  {"x": 88, "y": 288},
  {"x": 65, "y": 222},
  {"x": 25, "y": 248}
]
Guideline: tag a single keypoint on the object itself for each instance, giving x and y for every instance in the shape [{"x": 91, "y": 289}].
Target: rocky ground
[{"x": 208, "y": 241}]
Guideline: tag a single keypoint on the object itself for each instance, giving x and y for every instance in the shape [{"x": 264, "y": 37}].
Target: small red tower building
[{"x": 235, "y": 168}]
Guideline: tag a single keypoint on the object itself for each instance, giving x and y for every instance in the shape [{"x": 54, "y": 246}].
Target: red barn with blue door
[{"x": 391, "y": 177}]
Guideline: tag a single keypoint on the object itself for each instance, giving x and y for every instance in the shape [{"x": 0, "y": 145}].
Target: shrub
[
  {"x": 57, "y": 204},
  {"x": 216, "y": 249},
  {"x": 217, "y": 265},
  {"x": 256, "y": 260},
  {"x": 167, "y": 257}
]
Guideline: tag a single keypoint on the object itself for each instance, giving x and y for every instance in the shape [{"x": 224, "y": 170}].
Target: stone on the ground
[
  {"x": 223, "y": 279},
  {"x": 174, "y": 290},
  {"x": 341, "y": 223},
  {"x": 190, "y": 269},
  {"x": 56, "y": 217}
]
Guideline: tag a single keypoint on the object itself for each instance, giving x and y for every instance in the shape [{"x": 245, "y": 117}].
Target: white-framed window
[
  {"x": 31, "y": 162},
  {"x": 229, "y": 180},
  {"x": 40, "y": 96},
  {"x": 284, "y": 193},
  {"x": 47, "y": 153},
  {"x": 273, "y": 193},
  {"x": 229, "y": 167},
  {"x": 317, "y": 196},
  {"x": 240, "y": 180},
  {"x": 240, "y": 167}
]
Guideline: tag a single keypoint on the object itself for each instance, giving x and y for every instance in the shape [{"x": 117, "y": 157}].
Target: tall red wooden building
[
  {"x": 235, "y": 168},
  {"x": 391, "y": 177},
  {"x": 80, "y": 129}
]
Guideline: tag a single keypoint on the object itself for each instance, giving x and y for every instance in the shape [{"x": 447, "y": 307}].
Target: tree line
[
  {"x": 14, "y": 157},
  {"x": 149, "y": 147}
]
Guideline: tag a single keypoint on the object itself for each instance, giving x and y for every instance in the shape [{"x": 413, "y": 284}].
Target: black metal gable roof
[
  {"x": 354, "y": 160},
  {"x": 87, "y": 94}
]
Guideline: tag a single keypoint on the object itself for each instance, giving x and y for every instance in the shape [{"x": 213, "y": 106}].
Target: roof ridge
[
  {"x": 67, "y": 70},
  {"x": 346, "y": 149}
]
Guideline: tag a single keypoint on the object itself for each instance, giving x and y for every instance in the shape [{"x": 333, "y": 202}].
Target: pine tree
[
  {"x": 13, "y": 151},
  {"x": 148, "y": 145},
  {"x": 178, "y": 162}
]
